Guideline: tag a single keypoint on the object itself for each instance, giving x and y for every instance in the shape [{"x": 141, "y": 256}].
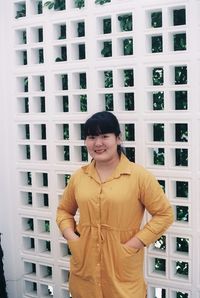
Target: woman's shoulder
[{"x": 140, "y": 170}]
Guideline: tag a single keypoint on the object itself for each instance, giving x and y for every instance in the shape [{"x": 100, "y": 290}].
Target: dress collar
[{"x": 124, "y": 167}]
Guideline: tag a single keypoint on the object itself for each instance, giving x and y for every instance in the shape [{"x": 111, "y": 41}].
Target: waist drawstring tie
[{"x": 101, "y": 227}]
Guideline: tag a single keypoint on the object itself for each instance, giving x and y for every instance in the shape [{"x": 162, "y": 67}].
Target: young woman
[{"x": 111, "y": 194}]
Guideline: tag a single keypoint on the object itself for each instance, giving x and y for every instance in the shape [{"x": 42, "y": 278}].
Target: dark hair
[{"x": 101, "y": 123}]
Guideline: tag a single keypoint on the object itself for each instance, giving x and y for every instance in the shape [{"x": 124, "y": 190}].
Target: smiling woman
[
  {"x": 102, "y": 139},
  {"x": 111, "y": 193}
]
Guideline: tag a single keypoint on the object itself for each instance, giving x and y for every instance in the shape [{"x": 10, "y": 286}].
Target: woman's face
[{"x": 103, "y": 148}]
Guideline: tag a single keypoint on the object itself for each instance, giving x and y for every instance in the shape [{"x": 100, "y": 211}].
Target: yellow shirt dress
[{"x": 101, "y": 266}]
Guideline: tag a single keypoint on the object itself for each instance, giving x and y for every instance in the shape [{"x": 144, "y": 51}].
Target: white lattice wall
[{"x": 58, "y": 67}]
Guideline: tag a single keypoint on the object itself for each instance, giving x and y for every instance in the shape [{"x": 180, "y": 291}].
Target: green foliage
[
  {"x": 46, "y": 199},
  {"x": 28, "y": 152},
  {"x": 84, "y": 153},
  {"x": 161, "y": 243},
  {"x": 130, "y": 153},
  {"x": 158, "y": 132},
  {"x": 67, "y": 177},
  {"x": 181, "y": 156},
  {"x": 81, "y": 29},
  {"x": 30, "y": 198},
  {"x": 126, "y": 22},
  {"x": 60, "y": 4},
  {"x": 63, "y": 56},
  {"x": 81, "y": 51},
  {"x": 3, "y": 292},
  {"x": 109, "y": 102},
  {"x": 182, "y": 213},
  {"x": 49, "y": 271},
  {"x": 181, "y": 295},
  {"x": 158, "y": 100},
  {"x": 182, "y": 268},
  {"x": 45, "y": 179},
  {"x": 47, "y": 226},
  {"x": 181, "y": 132},
  {"x": 107, "y": 49},
  {"x": 128, "y": 78},
  {"x": 128, "y": 46},
  {"x": 42, "y": 83},
  {"x": 66, "y": 155},
  {"x": 83, "y": 80},
  {"x": 65, "y": 103},
  {"x": 129, "y": 132},
  {"x": 42, "y": 104},
  {"x": 182, "y": 244},
  {"x": 79, "y": 3},
  {"x": 108, "y": 79},
  {"x": 107, "y": 26},
  {"x": 180, "y": 75},
  {"x": 179, "y": 17},
  {"x": 26, "y": 84},
  {"x": 40, "y": 35},
  {"x": 64, "y": 79},
  {"x": 29, "y": 178},
  {"x": 156, "y": 19},
  {"x": 159, "y": 156},
  {"x": 63, "y": 34},
  {"x": 180, "y": 42},
  {"x": 48, "y": 245},
  {"x": 101, "y": 2},
  {"x": 30, "y": 224},
  {"x": 181, "y": 189},
  {"x": 41, "y": 56},
  {"x": 24, "y": 37},
  {"x": 39, "y": 7},
  {"x": 158, "y": 76},
  {"x": 24, "y": 53},
  {"x": 56, "y": 4},
  {"x": 129, "y": 101},
  {"x": 160, "y": 264},
  {"x": 181, "y": 100},
  {"x": 162, "y": 184},
  {"x": 65, "y": 131},
  {"x": 21, "y": 12},
  {"x": 83, "y": 103},
  {"x": 49, "y": 4},
  {"x": 156, "y": 44}
]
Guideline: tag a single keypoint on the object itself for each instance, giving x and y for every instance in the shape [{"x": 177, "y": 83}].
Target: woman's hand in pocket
[
  {"x": 69, "y": 234},
  {"x": 135, "y": 243}
]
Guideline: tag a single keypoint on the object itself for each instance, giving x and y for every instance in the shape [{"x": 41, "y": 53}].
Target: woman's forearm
[{"x": 69, "y": 234}]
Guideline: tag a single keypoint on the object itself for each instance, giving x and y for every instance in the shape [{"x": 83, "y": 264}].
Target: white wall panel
[{"x": 65, "y": 65}]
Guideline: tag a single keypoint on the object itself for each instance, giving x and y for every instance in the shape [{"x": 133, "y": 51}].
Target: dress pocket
[
  {"x": 80, "y": 260},
  {"x": 130, "y": 263},
  {"x": 130, "y": 250},
  {"x": 75, "y": 248}
]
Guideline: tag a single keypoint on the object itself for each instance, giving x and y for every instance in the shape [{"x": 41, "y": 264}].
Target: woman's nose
[{"x": 98, "y": 140}]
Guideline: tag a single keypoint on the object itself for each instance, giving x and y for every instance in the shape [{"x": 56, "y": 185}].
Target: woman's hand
[
  {"x": 134, "y": 243},
  {"x": 69, "y": 234}
]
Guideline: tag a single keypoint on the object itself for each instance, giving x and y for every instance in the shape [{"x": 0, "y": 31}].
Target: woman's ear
[{"x": 119, "y": 139}]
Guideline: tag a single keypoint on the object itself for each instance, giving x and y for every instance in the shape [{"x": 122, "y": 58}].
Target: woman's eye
[{"x": 91, "y": 137}]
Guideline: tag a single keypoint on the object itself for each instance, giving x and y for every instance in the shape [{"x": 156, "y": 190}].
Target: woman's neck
[{"x": 105, "y": 169}]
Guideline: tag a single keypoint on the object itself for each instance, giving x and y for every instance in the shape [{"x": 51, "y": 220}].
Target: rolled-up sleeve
[
  {"x": 67, "y": 208},
  {"x": 156, "y": 203}
]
